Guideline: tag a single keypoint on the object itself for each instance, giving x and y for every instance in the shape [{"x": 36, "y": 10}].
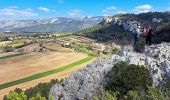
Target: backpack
[{"x": 147, "y": 32}]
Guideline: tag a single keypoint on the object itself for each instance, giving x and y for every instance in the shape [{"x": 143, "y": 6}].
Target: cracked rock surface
[{"x": 83, "y": 83}]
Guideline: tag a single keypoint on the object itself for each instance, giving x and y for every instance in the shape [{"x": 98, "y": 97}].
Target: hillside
[
  {"x": 58, "y": 24},
  {"x": 105, "y": 32},
  {"x": 118, "y": 28}
]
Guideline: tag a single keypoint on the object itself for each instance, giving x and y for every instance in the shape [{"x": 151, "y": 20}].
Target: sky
[{"x": 41, "y": 9}]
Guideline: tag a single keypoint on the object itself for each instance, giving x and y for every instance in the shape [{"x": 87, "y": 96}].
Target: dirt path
[{"x": 59, "y": 75}]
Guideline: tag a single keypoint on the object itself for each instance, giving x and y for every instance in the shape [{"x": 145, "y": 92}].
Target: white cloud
[
  {"x": 28, "y": 9},
  {"x": 75, "y": 13},
  {"x": 44, "y": 9},
  {"x": 14, "y": 12},
  {"x": 143, "y": 8},
  {"x": 109, "y": 9},
  {"x": 121, "y": 12}
]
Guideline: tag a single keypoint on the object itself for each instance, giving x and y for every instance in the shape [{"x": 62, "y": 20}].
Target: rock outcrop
[{"x": 83, "y": 83}]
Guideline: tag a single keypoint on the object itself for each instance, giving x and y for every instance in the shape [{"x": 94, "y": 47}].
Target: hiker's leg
[
  {"x": 146, "y": 40},
  {"x": 150, "y": 40},
  {"x": 135, "y": 41}
]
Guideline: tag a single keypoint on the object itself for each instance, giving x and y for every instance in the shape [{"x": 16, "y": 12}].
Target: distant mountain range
[{"x": 58, "y": 24}]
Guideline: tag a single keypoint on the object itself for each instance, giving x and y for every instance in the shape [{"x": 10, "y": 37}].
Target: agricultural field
[
  {"x": 5, "y": 43},
  {"x": 29, "y": 64},
  {"x": 41, "y": 61},
  {"x": 32, "y": 66}
]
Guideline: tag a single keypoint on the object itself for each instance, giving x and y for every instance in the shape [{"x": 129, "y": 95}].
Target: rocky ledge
[{"x": 83, "y": 83}]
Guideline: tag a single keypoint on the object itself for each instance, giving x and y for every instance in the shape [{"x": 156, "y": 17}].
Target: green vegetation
[
  {"x": 162, "y": 34},
  {"x": 39, "y": 92},
  {"x": 124, "y": 78},
  {"x": 7, "y": 48},
  {"x": 140, "y": 46},
  {"x": 11, "y": 55},
  {"x": 16, "y": 96},
  {"x": 3, "y": 38},
  {"x": 107, "y": 32},
  {"x": 104, "y": 94},
  {"x": 37, "y": 97},
  {"x": 131, "y": 82},
  {"x": 40, "y": 75},
  {"x": 84, "y": 49}
]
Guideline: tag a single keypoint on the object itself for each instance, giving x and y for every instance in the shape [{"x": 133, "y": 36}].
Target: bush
[
  {"x": 140, "y": 46},
  {"x": 39, "y": 91},
  {"x": 132, "y": 95},
  {"x": 166, "y": 89},
  {"x": 7, "y": 48},
  {"x": 103, "y": 94},
  {"x": 125, "y": 77},
  {"x": 150, "y": 94},
  {"x": 16, "y": 96},
  {"x": 37, "y": 97}
]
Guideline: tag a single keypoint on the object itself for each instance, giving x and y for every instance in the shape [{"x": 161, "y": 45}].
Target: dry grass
[
  {"x": 29, "y": 84},
  {"x": 57, "y": 47},
  {"x": 5, "y": 43},
  {"x": 33, "y": 63}
]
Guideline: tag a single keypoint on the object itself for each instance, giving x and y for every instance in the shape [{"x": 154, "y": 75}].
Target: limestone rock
[{"x": 83, "y": 83}]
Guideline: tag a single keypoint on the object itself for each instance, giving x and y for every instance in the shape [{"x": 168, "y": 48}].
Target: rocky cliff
[{"x": 83, "y": 83}]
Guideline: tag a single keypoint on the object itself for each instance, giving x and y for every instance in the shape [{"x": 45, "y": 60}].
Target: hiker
[
  {"x": 135, "y": 36},
  {"x": 148, "y": 35}
]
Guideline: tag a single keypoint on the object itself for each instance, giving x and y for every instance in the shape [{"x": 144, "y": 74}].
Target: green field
[{"x": 44, "y": 74}]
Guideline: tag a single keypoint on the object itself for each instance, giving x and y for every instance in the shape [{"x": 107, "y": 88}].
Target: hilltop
[{"x": 118, "y": 28}]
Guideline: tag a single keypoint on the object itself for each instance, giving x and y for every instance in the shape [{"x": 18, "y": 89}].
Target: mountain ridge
[{"x": 57, "y": 24}]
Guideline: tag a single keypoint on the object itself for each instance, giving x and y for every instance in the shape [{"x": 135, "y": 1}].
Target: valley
[{"x": 78, "y": 64}]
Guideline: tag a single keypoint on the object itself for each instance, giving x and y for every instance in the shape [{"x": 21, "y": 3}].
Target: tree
[
  {"x": 132, "y": 95},
  {"x": 103, "y": 94},
  {"x": 16, "y": 96},
  {"x": 37, "y": 97},
  {"x": 154, "y": 94},
  {"x": 124, "y": 78},
  {"x": 7, "y": 48}
]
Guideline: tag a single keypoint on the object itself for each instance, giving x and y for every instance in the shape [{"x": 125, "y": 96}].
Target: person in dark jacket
[
  {"x": 148, "y": 35},
  {"x": 135, "y": 36}
]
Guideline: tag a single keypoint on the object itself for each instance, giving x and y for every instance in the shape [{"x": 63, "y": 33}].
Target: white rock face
[
  {"x": 156, "y": 58},
  {"x": 83, "y": 83}
]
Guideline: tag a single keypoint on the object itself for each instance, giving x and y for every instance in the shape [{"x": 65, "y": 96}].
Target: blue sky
[{"x": 39, "y": 9}]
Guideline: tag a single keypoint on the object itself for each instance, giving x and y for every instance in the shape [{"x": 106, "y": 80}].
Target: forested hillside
[{"x": 105, "y": 32}]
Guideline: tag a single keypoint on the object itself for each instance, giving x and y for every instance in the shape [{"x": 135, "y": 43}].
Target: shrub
[
  {"x": 166, "y": 89},
  {"x": 103, "y": 94},
  {"x": 125, "y": 77},
  {"x": 132, "y": 95},
  {"x": 7, "y": 48},
  {"x": 16, "y": 96},
  {"x": 140, "y": 46},
  {"x": 37, "y": 97},
  {"x": 39, "y": 91}
]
